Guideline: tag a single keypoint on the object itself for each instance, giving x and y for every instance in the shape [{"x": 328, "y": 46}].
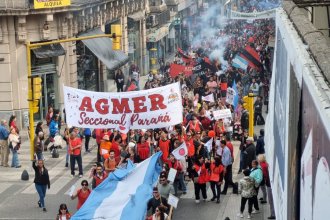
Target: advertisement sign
[
  {"x": 153, "y": 108},
  {"x": 38, "y": 4}
]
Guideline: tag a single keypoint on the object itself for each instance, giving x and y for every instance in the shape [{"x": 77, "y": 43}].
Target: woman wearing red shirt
[
  {"x": 82, "y": 194},
  {"x": 164, "y": 145},
  {"x": 200, "y": 178},
  {"x": 217, "y": 171},
  {"x": 143, "y": 148},
  {"x": 12, "y": 123}
]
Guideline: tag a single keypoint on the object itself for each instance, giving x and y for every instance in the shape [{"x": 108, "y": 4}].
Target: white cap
[{"x": 131, "y": 144}]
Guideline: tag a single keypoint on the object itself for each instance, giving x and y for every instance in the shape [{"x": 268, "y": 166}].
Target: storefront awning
[
  {"x": 158, "y": 33},
  {"x": 136, "y": 16},
  {"x": 102, "y": 48},
  {"x": 46, "y": 51}
]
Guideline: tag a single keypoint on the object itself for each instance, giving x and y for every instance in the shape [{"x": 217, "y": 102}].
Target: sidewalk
[{"x": 9, "y": 174}]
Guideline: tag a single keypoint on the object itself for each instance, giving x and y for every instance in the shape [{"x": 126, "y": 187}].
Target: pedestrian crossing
[
  {"x": 60, "y": 176},
  {"x": 4, "y": 187}
]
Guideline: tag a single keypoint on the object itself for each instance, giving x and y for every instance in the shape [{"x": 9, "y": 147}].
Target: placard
[
  {"x": 171, "y": 175},
  {"x": 220, "y": 114},
  {"x": 173, "y": 200}
]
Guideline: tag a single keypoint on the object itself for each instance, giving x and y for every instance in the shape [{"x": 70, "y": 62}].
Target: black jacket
[
  {"x": 260, "y": 148},
  {"x": 249, "y": 155},
  {"x": 41, "y": 178}
]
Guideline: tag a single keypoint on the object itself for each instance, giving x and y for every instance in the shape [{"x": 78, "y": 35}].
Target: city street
[{"x": 20, "y": 197}]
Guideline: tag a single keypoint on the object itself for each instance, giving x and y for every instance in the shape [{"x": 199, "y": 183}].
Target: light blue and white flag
[
  {"x": 239, "y": 62},
  {"x": 236, "y": 97},
  {"x": 124, "y": 194}
]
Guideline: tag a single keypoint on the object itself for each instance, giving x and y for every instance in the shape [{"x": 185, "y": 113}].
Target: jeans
[
  {"x": 4, "y": 152},
  {"x": 179, "y": 181},
  {"x": 15, "y": 160},
  {"x": 120, "y": 87},
  {"x": 67, "y": 157},
  {"x": 256, "y": 115},
  {"x": 243, "y": 202},
  {"x": 264, "y": 192},
  {"x": 73, "y": 159},
  {"x": 87, "y": 138},
  {"x": 40, "y": 156},
  {"x": 41, "y": 189},
  {"x": 241, "y": 162},
  {"x": 200, "y": 187},
  {"x": 228, "y": 178},
  {"x": 255, "y": 200},
  {"x": 215, "y": 189},
  {"x": 270, "y": 200}
]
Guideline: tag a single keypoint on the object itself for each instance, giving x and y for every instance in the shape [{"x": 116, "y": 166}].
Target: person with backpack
[
  {"x": 82, "y": 194},
  {"x": 257, "y": 175}
]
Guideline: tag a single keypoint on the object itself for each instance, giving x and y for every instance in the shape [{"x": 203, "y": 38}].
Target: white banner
[
  {"x": 153, "y": 108},
  {"x": 252, "y": 15},
  {"x": 221, "y": 114}
]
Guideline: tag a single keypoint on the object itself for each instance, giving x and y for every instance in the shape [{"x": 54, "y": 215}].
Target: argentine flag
[
  {"x": 124, "y": 194},
  {"x": 240, "y": 63}
]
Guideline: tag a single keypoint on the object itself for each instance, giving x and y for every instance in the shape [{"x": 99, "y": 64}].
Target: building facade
[{"x": 73, "y": 63}]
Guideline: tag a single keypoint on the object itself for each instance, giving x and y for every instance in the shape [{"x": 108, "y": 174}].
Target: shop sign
[{"x": 40, "y": 4}]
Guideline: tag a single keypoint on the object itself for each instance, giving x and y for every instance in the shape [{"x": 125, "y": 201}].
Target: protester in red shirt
[
  {"x": 75, "y": 153},
  {"x": 217, "y": 173},
  {"x": 99, "y": 176},
  {"x": 115, "y": 145},
  {"x": 143, "y": 148},
  {"x": 200, "y": 178},
  {"x": 82, "y": 194},
  {"x": 175, "y": 164},
  {"x": 164, "y": 145}
]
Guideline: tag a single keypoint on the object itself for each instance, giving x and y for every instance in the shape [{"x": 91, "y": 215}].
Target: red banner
[{"x": 176, "y": 69}]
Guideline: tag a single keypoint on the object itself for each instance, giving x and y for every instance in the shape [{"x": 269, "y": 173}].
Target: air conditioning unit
[{"x": 152, "y": 21}]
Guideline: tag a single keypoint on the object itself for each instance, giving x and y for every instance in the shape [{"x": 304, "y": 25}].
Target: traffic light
[
  {"x": 248, "y": 105},
  {"x": 37, "y": 88},
  {"x": 35, "y": 106},
  {"x": 116, "y": 36}
]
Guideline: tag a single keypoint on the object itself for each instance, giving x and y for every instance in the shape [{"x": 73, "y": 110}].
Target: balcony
[
  {"x": 157, "y": 9},
  {"x": 158, "y": 19}
]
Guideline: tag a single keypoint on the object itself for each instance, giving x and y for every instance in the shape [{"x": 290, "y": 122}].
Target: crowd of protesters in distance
[{"x": 206, "y": 162}]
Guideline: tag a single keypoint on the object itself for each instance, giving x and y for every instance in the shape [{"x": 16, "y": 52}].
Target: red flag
[
  {"x": 132, "y": 87},
  {"x": 252, "y": 56},
  {"x": 176, "y": 69},
  {"x": 185, "y": 58}
]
